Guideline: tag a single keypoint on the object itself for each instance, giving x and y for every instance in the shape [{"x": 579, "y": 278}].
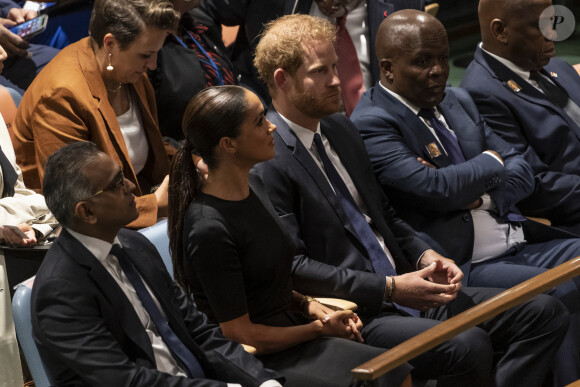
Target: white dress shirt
[
  {"x": 306, "y": 137},
  {"x": 101, "y": 250},
  {"x": 490, "y": 238}
]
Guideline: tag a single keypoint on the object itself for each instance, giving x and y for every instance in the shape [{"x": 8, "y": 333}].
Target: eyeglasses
[{"x": 116, "y": 185}]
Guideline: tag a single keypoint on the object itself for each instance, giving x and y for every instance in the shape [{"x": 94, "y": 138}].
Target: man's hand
[
  {"x": 11, "y": 42},
  {"x": 13, "y": 238},
  {"x": 436, "y": 284},
  {"x": 20, "y": 15},
  {"x": 446, "y": 272},
  {"x": 426, "y": 163}
]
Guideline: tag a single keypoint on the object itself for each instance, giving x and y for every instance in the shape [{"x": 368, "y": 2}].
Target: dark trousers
[
  {"x": 526, "y": 336},
  {"x": 519, "y": 265}
]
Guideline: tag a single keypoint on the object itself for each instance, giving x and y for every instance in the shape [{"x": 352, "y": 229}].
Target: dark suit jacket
[
  {"x": 330, "y": 259},
  {"x": 251, "y": 15},
  {"x": 545, "y": 135},
  {"x": 88, "y": 333},
  {"x": 431, "y": 200}
]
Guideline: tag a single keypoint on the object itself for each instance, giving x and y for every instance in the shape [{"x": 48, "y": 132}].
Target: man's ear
[
  {"x": 282, "y": 79},
  {"x": 498, "y": 31},
  {"x": 84, "y": 212},
  {"x": 386, "y": 66}
]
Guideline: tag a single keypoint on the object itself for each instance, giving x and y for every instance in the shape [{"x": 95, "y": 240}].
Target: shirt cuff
[
  {"x": 43, "y": 229},
  {"x": 419, "y": 260},
  {"x": 494, "y": 156}
]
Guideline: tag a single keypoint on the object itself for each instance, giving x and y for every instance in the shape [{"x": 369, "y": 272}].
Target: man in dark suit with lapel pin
[
  {"x": 450, "y": 177},
  {"x": 350, "y": 241},
  {"x": 531, "y": 100},
  {"x": 105, "y": 312}
]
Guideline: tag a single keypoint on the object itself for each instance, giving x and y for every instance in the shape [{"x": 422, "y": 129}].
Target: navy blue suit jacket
[
  {"x": 432, "y": 199},
  {"x": 88, "y": 333},
  {"x": 330, "y": 259},
  {"x": 251, "y": 15},
  {"x": 545, "y": 135}
]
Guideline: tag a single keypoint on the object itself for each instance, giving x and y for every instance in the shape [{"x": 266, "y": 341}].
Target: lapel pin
[
  {"x": 553, "y": 74},
  {"x": 513, "y": 86},
  {"x": 433, "y": 150}
]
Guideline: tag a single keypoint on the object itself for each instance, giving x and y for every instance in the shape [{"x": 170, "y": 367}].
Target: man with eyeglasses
[{"x": 104, "y": 309}]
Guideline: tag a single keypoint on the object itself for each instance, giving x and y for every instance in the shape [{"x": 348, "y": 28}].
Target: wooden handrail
[{"x": 409, "y": 349}]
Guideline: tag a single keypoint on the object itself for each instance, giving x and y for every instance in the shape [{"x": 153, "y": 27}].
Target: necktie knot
[
  {"x": 426, "y": 114},
  {"x": 553, "y": 92}
]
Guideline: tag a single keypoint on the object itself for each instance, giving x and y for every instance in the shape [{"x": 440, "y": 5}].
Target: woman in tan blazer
[{"x": 97, "y": 90}]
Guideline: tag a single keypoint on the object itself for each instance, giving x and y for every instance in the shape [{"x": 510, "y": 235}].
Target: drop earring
[{"x": 110, "y": 66}]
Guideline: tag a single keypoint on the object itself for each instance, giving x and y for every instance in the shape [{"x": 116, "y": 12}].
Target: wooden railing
[{"x": 415, "y": 346}]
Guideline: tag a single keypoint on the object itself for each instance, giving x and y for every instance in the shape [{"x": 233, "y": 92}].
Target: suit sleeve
[
  {"x": 444, "y": 189},
  {"x": 72, "y": 328},
  {"x": 311, "y": 276},
  {"x": 435, "y": 189},
  {"x": 519, "y": 179},
  {"x": 553, "y": 189}
]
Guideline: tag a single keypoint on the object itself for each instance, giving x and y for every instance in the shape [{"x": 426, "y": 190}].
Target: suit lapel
[
  {"x": 301, "y": 154},
  {"x": 462, "y": 125},
  {"x": 527, "y": 91},
  {"x": 415, "y": 132},
  {"x": 125, "y": 312}
]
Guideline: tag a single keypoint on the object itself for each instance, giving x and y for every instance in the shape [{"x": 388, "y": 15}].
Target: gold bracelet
[{"x": 304, "y": 302}]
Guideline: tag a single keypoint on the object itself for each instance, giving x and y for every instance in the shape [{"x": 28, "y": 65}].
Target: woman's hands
[{"x": 342, "y": 323}]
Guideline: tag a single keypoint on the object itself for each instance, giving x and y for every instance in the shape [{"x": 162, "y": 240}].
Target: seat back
[
  {"x": 157, "y": 234},
  {"x": 23, "y": 325}
]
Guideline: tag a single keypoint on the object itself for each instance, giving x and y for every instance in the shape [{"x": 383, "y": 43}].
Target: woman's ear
[{"x": 227, "y": 145}]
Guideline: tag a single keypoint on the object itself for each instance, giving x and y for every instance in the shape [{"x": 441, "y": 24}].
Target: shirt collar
[
  {"x": 98, "y": 247},
  {"x": 414, "y": 108},
  {"x": 524, "y": 74},
  {"x": 306, "y": 136}
]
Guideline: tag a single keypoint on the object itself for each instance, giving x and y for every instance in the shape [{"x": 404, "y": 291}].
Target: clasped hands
[
  {"x": 340, "y": 323},
  {"x": 435, "y": 283}
]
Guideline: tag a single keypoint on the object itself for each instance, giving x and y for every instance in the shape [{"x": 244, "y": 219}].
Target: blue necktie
[
  {"x": 447, "y": 138},
  {"x": 378, "y": 257},
  {"x": 175, "y": 345}
]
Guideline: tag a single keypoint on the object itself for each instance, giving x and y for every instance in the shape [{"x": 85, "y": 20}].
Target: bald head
[
  {"x": 403, "y": 29},
  {"x": 510, "y": 29},
  {"x": 413, "y": 52}
]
